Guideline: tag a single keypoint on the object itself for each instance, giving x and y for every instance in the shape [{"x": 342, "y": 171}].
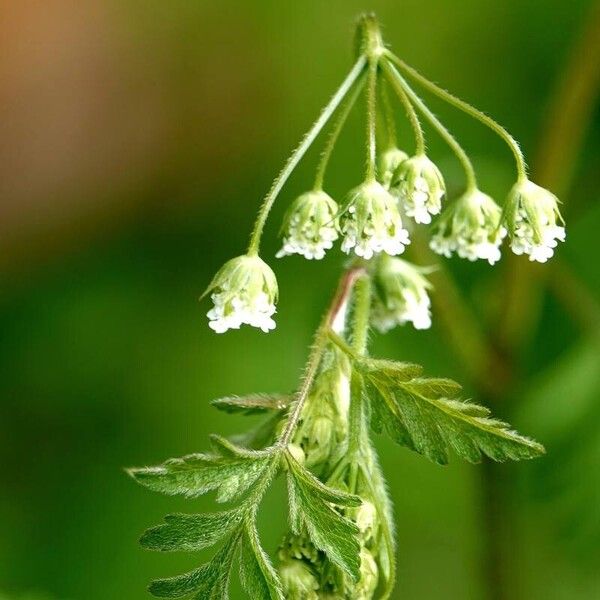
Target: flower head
[
  {"x": 309, "y": 226},
  {"x": 244, "y": 291},
  {"x": 389, "y": 161},
  {"x": 402, "y": 296},
  {"x": 531, "y": 217},
  {"x": 471, "y": 228},
  {"x": 371, "y": 223},
  {"x": 420, "y": 187}
]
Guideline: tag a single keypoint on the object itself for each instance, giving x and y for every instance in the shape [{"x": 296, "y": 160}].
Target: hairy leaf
[
  {"x": 191, "y": 533},
  {"x": 417, "y": 415},
  {"x": 208, "y": 582},
  {"x": 197, "y": 474},
  {"x": 258, "y": 577},
  {"x": 253, "y": 404},
  {"x": 394, "y": 370},
  {"x": 311, "y": 506}
]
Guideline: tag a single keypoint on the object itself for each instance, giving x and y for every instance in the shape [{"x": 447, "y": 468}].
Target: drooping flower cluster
[
  {"x": 309, "y": 227},
  {"x": 531, "y": 217},
  {"x": 371, "y": 223},
  {"x": 420, "y": 187},
  {"x": 401, "y": 295},
  {"x": 471, "y": 227},
  {"x": 244, "y": 291}
]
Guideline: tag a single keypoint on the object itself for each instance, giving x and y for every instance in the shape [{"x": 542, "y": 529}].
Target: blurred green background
[{"x": 136, "y": 141}]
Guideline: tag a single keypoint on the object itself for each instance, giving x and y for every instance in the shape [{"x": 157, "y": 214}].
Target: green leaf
[
  {"x": 190, "y": 533},
  {"x": 253, "y": 404},
  {"x": 434, "y": 387},
  {"x": 208, "y": 582},
  {"x": 398, "y": 371},
  {"x": 416, "y": 415},
  {"x": 311, "y": 506},
  {"x": 197, "y": 474},
  {"x": 258, "y": 577}
]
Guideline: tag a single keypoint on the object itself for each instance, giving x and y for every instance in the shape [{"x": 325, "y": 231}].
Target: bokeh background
[{"x": 136, "y": 140}]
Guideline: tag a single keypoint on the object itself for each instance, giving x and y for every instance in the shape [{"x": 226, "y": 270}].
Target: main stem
[
  {"x": 300, "y": 151},
  {"x": 338, "y": 304}
]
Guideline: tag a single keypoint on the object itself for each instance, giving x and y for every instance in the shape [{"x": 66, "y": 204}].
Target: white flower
[
  {"x": 531, "y": 217},
  {"x": 309, "y": 227},
  {"x": 471, "y": 228},
  {"x": 244, "y": 291},
  {"x": 371, "y": 223},
  {"x": 389, "y": 161},
  {"x": 420, "y": 187},
  {"x": 402, "y": 296}
]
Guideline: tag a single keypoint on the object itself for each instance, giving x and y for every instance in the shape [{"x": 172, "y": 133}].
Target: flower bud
[
  {"x": 471, "y": 228},
  {"x": 366, "y": 519},
  {"x": 297, "y": 453},
  {"x": 298, "y": 581},
  {"x": 369, "y": 575},
  {"x": 420, "y": 187},
  {"x": 309, "y": 227},
  {"x": 371, "y": 223},
  {"x": 244, "y": 291},
  {"x": 402, "y": 296},
  {"x": 389, "y": 161},
  {"x": 531, "y": 217}
]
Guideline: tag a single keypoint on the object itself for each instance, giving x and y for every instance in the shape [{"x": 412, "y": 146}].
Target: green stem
[
  {"x": 299, "y": 152},
  {"x": 360, "y": 332},
  {"x": 335, "y": 133},
  {"x": 465, "y": 161},
  {"x": 411, "y": 113},
  {"x": 470, "y": 110},
  {"x": 390, "y": 124},
  {"x": 320, "y": 344},
  {"x": 372, "y": 119}
]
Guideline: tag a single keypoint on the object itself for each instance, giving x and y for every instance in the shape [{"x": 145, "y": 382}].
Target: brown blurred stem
[{"x": 563, "y": 134}]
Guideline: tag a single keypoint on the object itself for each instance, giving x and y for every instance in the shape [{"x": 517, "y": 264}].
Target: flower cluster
[
  {"x": 371, "y": 222},
  {"x": 401, "y": 295},
  {"x": 471, "y": 227},
  {"x": 310, "y": 226},
  {"x": 532, "y": 218},
  {"x": 244, "y": 291},
  {"x": 420, "y": 187}
]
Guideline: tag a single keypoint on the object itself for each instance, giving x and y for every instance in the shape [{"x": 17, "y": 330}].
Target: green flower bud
[
  {"x": 309, "y": 227},
  {"x": 244, "y": 291},
  {"x": 420, "y": 187},
  {"x": 531, "y": 217},
  {"x": 369, "y": 576},
  {"x": 389, "y": 161},
  {"x": 372, "y": 223},
  {"x": 402, "y": 295},
  {"x": 298, "y": 581},
  {"x": 471, "y": 228}
]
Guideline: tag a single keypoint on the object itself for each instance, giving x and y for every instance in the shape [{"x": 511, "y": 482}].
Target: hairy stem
[
  {"x": 300, "y": 151},
  {"x": 335, "y": 133},
  {"x": 411, "y": 113},
  {"x": 462, "y": 156},
  {"x": 320, "y": 343},
  {"x": 372, "y": 120},
  {"x": 467, "y": 108}
]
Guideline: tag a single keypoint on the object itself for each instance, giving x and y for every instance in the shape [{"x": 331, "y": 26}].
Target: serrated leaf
[
  {"x": 253, "y": 403},
  {"x": 258, "y": 577},
  {"x": 329, "y": 531},
  {"x": 416, "y": 417},
  {"x": 434, "y": 387},
  {"x": 398, "y": 371},
  {"x": 197, "y": 474},
  {"x": 208, "y": 582},
  {"x": 190, "y": 533}
]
